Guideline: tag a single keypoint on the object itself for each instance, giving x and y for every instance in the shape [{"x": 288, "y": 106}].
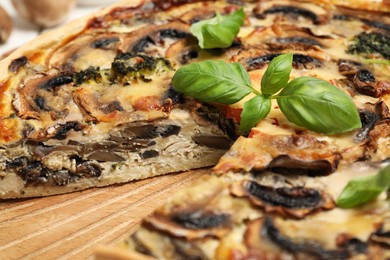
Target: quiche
[
  {"x": 93, "y": 104},
  {"x": 273, "y": 194}
]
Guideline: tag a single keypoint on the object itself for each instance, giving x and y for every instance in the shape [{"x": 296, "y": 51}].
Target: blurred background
[{"x": 23, "y": 20}]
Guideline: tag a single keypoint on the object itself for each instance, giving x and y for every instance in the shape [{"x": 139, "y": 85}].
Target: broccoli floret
[
  {"x": 371, "y": 43},
  {"x": 125, "y": 68},
  {"x": 92, "y": 73},
  {"x": 129, "y": 66}
]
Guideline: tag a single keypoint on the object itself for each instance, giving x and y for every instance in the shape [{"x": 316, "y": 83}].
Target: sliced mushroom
[
  {"x": 85, "y": 51},
  {"x": 42, "y": 94},
  {"x": 192, "y": 225},
  {"x": 53, "y": 83},
  {"x": 123, "y": 13},
  {"x": 145, "y": 131},
  {"x": 365, "y": 83},
  {"x": 142, "y": 133},
  {"x": 174, "y": 96},
  {"x": 62, "y": 177},
  {"x": 272, "y": 151},
  {"x": 258, "y": 244},
  {"x": 24, "y": 99},
  {"x": 286, "y": 164},
  {"x": 167, "y": 130},
  {"x": 203, "y": 113},
  {"x": 17, "y": 163},
  {"x": 62, "y": 130},
  {"x": 182, "y": 51},
  {"x": 300, "y": 61},
  {"x": 296, "y": 202},
  {"x": 197, "y": 14},
  {"x": 202, "y": 215},
  {"x": 380, "y": 21},
  {"x": 152, "y": 243},
  {"x": 16, "y": 64},
  {"x": 35, "y": 172},
  {"x": 348, "y": 67},
  {"x": 41, "y": 151},
  {"x": 105, "y": 156},
  {"x": 216, "y": 142},
  {"x": 58, "y": 131},
  {"x": 378, "y": 141},
  {"x": 319, "y": 14},
  {"x": 138, "y": 41},
  {"x": 88, "y": 169},
  {"x": 377, "y": 24},
  {"x": 263, "y": 237},
  {"x": 306, "y": 247},
  {"x": 165, "y": 5},
  {"x": 351, "y": 244},
  {"x": 363, "y": 79},
  {"x": 382, "y": 235},
  {"x": 112, "y": 111},
  {"x": 281, "y": 36},
  {"x": 369, "y": 119},
  {"x": 149, "y": 154},
  {"x": 200, "y": 220},
  {"x": 185, "y": 250},
  {"x": 105, "y": 42}
]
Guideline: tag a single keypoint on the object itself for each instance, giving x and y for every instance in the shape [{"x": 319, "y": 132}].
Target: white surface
[{"x": 24, "y": 31}]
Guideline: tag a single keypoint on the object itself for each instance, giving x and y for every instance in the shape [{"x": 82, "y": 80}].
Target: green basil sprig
[
  {"x": 305, "y": 101},
  {"x": 360, "y": 191},
  {"x": 219, "y": 31}
]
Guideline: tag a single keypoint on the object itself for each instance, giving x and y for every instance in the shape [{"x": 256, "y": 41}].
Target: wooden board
[{"x": 71, "y": 226}]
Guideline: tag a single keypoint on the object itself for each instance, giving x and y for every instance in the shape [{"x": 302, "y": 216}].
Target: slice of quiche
[
  {"x": 91, "y": 104},
  {"x": 262, "y": 215}
]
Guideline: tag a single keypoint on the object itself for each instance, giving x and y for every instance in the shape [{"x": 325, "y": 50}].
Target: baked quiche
[{"x": 287, "y": 100}]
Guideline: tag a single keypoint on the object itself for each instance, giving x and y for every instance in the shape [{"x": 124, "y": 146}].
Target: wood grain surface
[{"x": 71, "y": 226}]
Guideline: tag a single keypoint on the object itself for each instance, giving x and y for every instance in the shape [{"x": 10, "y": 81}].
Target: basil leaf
[
  {"x": 219, "y": 31},
  {"x": 318, "y": 106},
  {"x": 277, "y": 74},
  {"x": 213, "y": 81},
  {"x": 255, "y": 110},
  {"x": 360, "y": 191}
]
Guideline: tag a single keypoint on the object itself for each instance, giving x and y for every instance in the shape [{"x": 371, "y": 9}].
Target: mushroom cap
[
  {"x": 45, "y": 13},
  {"x": 5, "y": 25}
]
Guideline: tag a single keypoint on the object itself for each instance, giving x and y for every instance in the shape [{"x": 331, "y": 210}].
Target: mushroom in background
[
  {"x": 44, "y": 13},
  {"x": 5, "y": 25}
]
